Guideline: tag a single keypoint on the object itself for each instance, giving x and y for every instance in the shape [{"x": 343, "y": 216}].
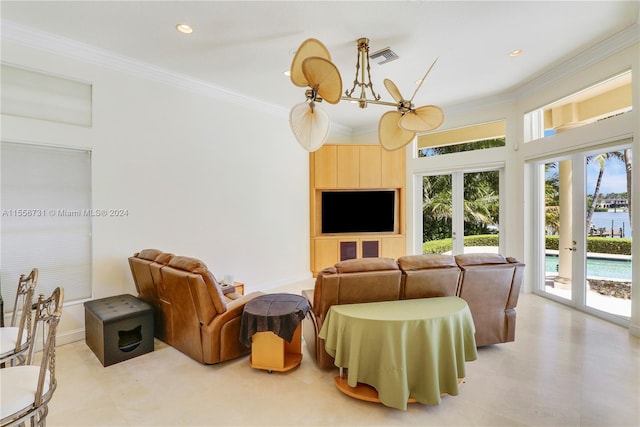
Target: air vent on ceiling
[{"x": 383, "y": 56}]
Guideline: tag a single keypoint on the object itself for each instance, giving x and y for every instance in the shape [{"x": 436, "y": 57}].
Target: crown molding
[
  {"x": 583, "y": 60},
  {"x": 69, "y": 48}
]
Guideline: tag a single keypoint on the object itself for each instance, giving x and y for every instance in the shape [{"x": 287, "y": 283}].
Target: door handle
[{"x": 573, "y": 248}]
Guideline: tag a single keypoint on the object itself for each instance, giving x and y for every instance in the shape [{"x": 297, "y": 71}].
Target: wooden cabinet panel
[
  {"x": 325, "y": 167},
  {"x": 393, "y": 247},
  {"x": 392, "y": 168},
  {"x": 326, "y": 253},
  {"x": 348, "y": 166},
  {"x": 370, "y": 166}
]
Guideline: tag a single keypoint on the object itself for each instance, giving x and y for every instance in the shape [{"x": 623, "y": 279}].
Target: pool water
[{"x": 597, "y": 267}]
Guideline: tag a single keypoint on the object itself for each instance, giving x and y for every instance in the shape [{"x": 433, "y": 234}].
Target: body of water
[
  {"x": 597, "y": 267},
  {"x": 618, "y": 219}
]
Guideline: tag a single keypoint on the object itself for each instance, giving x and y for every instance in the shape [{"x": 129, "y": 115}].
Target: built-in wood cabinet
[{"x": 355, "y": 167}]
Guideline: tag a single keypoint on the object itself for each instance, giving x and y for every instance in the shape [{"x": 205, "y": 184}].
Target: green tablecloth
[{"x": 409, "y": 348}]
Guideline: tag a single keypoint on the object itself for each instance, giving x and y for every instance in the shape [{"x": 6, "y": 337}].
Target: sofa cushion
[
  {"x": 149, "y": 254},
  {"x": 194, "y": 265},
  {"x": 359, "y": 265},
  {"x": 479, "y": 259},
  {"x": 154, "y": 255},
  {"x": 187, "y": 263},
  {"x": 426, "y": 261}
]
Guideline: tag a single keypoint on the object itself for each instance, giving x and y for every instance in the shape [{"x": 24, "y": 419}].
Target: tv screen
[{"x": 358, "y": 211}]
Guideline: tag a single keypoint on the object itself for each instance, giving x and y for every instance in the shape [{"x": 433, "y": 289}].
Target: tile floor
[{"x": 564, "y": 369}]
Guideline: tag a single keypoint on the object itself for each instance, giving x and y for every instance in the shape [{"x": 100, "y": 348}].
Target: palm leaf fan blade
[
  {"x": 422, "y": 119},
  {"x": 309, "y": 48},
  {"x": 391, "y": 136},
  {"x": 310, "y": 126},
  {"x": 323, "y": 75},
  {"x": 393, "y": 90}
]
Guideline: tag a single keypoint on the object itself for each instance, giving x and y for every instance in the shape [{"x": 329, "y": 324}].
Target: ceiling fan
[
  {"x": 312, "y": 67},
  {"x": 397, "y": 128}
]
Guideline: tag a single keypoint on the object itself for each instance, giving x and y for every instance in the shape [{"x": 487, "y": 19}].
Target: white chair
[
  {"x": 15, "y": 339},
  {"x": 27, "y": 389}
]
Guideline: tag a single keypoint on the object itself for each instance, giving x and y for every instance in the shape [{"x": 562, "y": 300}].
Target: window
[
  {"x": 46, "y": 220},
  {"x": 37, "y": 95},
  {"x": 601, "y": 101}
]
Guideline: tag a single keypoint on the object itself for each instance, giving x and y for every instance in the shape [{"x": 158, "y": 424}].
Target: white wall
[{"x": 199, "y": 176}]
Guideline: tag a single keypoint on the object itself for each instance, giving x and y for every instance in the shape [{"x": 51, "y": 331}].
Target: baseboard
[{"x": 70, "y": 336}]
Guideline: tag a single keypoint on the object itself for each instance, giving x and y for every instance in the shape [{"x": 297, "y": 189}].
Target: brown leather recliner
[
  {"x": 348, "y": 282},
  {"x": 190, "y": 311},
  {"x": 490, "y": 284}
]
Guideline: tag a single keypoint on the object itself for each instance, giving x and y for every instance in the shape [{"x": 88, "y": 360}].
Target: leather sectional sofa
[
  {"x": 191, "y": 313},
  {"x": 489, "y": 283}
]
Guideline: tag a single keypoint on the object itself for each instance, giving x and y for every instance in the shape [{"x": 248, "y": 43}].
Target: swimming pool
[{"x": 597, "y": 267}]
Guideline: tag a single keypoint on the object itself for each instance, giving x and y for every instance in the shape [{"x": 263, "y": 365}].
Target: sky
[{"x": 614, "y": 179}]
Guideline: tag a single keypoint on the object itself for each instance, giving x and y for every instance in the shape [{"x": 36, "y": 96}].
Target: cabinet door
[
  {"x": 325, "y": 167},
  {"x": 348, "y": 249},
  {"x": 393, "y": 247},
  {"x": 326, "y": 253},
  {"x": 392, "y": 169},
  {"x": 370, "y": 166},
  {"x": 348, "y": 165},
  {"x": 370, "y": 248}
]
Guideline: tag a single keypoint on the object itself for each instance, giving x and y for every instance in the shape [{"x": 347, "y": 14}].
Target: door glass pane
[
  {"x": 608, "y": 228},
  {"x": 481, "y": 211},
  {"x": 437, "y": 214},
  {"x": 557, "y": 228}
]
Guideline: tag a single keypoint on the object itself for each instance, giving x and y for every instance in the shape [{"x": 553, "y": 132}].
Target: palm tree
[
  {"x": 602, "y": 159},
  {"x": 437, "y": 209},
  {"x": 552, "y": 198},
  {"x": 480, "y": 206}
]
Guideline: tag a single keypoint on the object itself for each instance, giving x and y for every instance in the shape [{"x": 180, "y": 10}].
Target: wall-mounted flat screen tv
[{"x": 361, "y": 211}]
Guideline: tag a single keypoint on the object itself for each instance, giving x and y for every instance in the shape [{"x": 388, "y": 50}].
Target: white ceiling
[{"x": 244, "y": 46}]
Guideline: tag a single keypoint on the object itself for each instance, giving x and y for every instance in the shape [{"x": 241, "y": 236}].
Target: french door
[
  {"x": 461, "y": 211},
  {"x": 584, "y": 231}
]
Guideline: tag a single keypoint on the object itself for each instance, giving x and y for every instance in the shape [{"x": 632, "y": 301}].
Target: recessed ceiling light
[
  {"x": 516, "y": 52},
  {"x": 184, "y": 28},
  {"x": 287, "y": 73}
]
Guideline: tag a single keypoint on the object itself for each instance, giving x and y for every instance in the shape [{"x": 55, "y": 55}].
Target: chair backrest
[
  {"x": 429, "y": 275},
  {"x": 143, "y": 276},
  {"x": 25, "y": 282},
  {"x": 145, "y": 269},
  {"x": 23, "y": 303},
  {"x": 490, "y": 284},
  {"x": 195, "y": 298},
  {"x": 355, "y": 281},
  {"x": 47, "y": 317}
]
